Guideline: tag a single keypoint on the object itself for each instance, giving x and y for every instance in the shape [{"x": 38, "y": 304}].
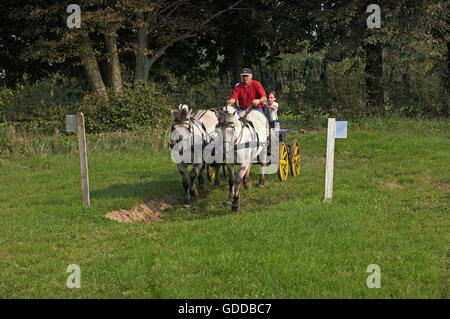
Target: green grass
[{"x": 390, "y": 208}]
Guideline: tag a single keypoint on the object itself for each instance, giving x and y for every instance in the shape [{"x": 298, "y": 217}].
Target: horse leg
[
  {"x": 247, "y": 183},
  {"x": 262, "y": 168},
  {"x": 261, "y": 176},
  {"x": 182, "y": 168},
  {"x": 230, "y": 168},
  {"x": 243, "y": 169},
  {"x": 263, "y": 159},
  {"x": 194, "y": 172},
  {"x": 217, "y": 170},
  {"x": 201, "y": 180}
]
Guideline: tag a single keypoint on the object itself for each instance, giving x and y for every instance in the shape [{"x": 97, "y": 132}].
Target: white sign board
[
  {"x": 71, "y": 124},
  {"x": 341, "y": 129}
]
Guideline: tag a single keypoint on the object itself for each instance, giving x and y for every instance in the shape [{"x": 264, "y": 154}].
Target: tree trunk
[
  {"x": 374, "y": 73},
  {"x": 447, "y": 73},
  {"x": 104, "y": 69},
  {"x": 142, "y": 60},
  {"x": 238, "y": 64},
  {"x": 91, "y": 68},
  {"x": 114, "y": 73}
]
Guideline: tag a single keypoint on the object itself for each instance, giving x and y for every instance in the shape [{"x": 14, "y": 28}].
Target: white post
[
  {"x": 83, "y": 159},
  {"x": 330, "y": 159}
]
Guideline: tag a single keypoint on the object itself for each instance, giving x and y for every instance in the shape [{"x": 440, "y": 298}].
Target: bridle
[
  {"x": 189, "y": 125},
  {"x": 176, "y": 125}
]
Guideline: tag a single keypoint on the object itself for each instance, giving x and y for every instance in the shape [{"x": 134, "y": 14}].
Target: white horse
[
  {"x": 190, "y": 133},
  {"x": 245, "y": 136}
]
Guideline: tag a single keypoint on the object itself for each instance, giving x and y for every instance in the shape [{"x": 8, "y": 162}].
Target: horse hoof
[
  {"x": 235, "y": 205},
  {"x": 203, "y": 187},
  {"x": 247, "y": 186},
  {"x": 187, "y": 204},
  {"x": 261, "y": 185},
  {"x": 228, "y": 201},
  {"x": 216, "y": 186}
]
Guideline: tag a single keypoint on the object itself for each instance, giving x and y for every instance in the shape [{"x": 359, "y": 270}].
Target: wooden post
[
  {"x": 330, "y": 159},
  {"x": 83, "y": 159}
]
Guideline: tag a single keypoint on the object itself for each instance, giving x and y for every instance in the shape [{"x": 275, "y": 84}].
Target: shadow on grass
[
  {"x": 169, "y": 186},
  {"x": 209, "y": 203},
  {"x": 161, "y": 185}
]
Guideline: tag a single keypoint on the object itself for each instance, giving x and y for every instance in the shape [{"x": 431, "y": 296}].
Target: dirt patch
[
  {"x": 443, "y": 188},
  {"x": 427, "y": 179},
  {"x": 147, "y": 212},
  {"x": 392, "y": 185},
  {"x": 5, "y": 256},
  {"x": 423, "y": 191},
  {"x": 314, "y": 161}
]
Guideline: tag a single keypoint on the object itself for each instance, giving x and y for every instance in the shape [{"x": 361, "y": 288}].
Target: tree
[
  {"x": 254, "y": 30},
  {"x": 342, "y": 29},
  {"x": 12, "y": 42},
  {"x": 147, "y": 29},
  {"x": 159, "y": 24},
  {"x": 49, "y": 40}
]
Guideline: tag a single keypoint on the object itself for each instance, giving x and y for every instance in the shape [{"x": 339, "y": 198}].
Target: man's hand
[
  {"x": 255, "y": 102},
  {"x": 230, "y": 102}
]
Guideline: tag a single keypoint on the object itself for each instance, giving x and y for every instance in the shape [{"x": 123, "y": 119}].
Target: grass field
[{"x": 390, "y": 208}]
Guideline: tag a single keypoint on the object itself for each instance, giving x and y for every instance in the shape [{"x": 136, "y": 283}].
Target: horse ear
[{"x": 174, "y": 114}]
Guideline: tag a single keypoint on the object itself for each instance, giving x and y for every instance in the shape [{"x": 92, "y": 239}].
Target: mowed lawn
[{"x": 390, "y": 208}]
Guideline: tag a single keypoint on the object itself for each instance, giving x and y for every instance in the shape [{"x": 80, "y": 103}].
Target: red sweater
[{"x": 246, "y": 94}]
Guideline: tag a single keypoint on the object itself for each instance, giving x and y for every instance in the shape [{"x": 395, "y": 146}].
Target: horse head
[
  {"x": 182, "y": 114},
  {"x": 181, "y": 127}
]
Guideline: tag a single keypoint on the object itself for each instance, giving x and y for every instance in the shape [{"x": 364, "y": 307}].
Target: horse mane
[
  {"x": 229, "y": 109},
  {"x": 182, "y": 114},
  {"x": 224, "y": 116}
]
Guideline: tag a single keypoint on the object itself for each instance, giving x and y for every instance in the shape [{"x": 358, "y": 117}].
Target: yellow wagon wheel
[
  {"x": 211, "y": 173},
  {"x": 295, "y": 158},
  {"x": 283, "y": 169}
]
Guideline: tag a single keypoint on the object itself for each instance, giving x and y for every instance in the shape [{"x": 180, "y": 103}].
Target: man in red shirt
[{"x": 248, "y": 93}]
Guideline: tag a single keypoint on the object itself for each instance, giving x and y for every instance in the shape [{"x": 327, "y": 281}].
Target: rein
[
  {"x": 245, "y": 123},
  {"x": 206, "y": 138}
]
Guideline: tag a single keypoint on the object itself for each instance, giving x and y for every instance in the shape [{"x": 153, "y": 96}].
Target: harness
[
  {"x": 190, "y": 123},
  {"x": 245, "y": 123},
  {"x": 207, "y": 138}
]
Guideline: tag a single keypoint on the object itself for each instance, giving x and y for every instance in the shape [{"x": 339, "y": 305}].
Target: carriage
[{"x": 289, "y": 158}]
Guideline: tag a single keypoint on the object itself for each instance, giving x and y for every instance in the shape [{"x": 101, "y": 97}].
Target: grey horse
[{"x": 190, "y": 133}]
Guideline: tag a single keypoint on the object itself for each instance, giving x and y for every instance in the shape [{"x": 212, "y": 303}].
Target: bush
[
  {"x": 143, "y": 106},
  {"x": 310, "y": 86},
  {"x": 32, "y": 108}
]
